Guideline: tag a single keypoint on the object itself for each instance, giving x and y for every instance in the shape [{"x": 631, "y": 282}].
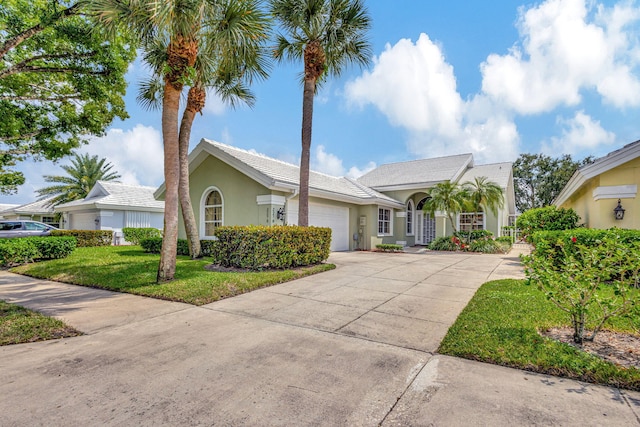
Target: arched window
[
  {"x": 211, "y": 211},
  {"x": 409, "y": 217}
]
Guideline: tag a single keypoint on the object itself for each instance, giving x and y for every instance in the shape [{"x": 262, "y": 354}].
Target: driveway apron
[{"x": 352, "y": 346}]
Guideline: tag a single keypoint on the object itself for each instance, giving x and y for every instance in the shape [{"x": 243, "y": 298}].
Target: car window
[
  {"x": 10, "y": 226},
  {"x": 34, "y": 226}
]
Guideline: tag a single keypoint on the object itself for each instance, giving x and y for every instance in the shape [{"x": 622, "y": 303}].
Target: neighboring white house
[
  {"x": 113, "y": 206},
  {"x": 6, "y": 207},
  {"x": 39, "y": 210}
]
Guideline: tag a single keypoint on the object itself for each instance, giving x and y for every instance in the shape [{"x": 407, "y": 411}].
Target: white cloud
[
  {"x": 355, "y": 172},
  {"x": 414, "y": 86},
  {"x": 214, "y": 104},
  {"x": 581, "y": 133},
  {"x": 326, "y": 162},
  {"x": 567, "y": 46},
  {"x": 136, "y": 154}
]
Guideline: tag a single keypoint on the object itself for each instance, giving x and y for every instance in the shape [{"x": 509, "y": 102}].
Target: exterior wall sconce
[
  {"x": 280, "y": 214},
  {"x": 619, "y": 211},
  {"x": 97, "y": 221}
]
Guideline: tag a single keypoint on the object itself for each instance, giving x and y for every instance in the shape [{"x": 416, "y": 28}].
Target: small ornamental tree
[{"x": 592, "y": 284}]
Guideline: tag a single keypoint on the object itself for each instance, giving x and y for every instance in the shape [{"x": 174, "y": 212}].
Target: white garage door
[
  {"x": 83, "y": 221},
  {"x": 334, "y": 217}
]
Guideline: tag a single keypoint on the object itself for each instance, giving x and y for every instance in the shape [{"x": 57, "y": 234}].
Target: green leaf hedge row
[
  {"x": 548, "y": 218},
  {"x": 256, "y": 247},
  {"x": 135, "y": 235},
  {"x": 87, "y": 238},
  {"x": 28, "y": 249}
]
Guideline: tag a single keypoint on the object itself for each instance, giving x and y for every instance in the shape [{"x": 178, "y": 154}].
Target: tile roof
[
  {"x": 495, "y": 172},
  {"x": 418, "y": 173},
  {"x": 274, "y": 173},
  {"x": 106, "y": 194},
  {"x": 39, "y": 207}
]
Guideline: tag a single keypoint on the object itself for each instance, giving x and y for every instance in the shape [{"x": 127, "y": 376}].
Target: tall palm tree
[
  {"x": 483, "y": 195},
  {"x": 184, "y": 25},
  {"x": 223, "y": 66},
  {"x": 447, "y": 197},
  {"x": 83, "y": 173},
  {"x": 327, "y": 35}
]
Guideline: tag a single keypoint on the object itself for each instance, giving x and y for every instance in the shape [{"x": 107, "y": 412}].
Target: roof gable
[
  {"x": 107, "y": 194},
  {"x": 604, "y": 164}
]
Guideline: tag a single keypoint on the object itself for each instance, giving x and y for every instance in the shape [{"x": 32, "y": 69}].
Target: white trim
[
  {"x": 411, "y": 207},
  {"x": 615, "y": 192},
  {"x": 270, "y": 199},
  {"x": 203, "y": 199},
  {"x": 390, "y": 233},
  {"x": 400, "y": 214}
]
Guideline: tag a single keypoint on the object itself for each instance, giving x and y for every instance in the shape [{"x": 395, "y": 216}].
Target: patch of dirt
[{"x": 621, "y": 349}]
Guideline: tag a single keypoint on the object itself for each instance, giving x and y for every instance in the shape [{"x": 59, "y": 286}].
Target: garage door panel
[
  {"x": 83, "y": 221},
  {"x": 334, "y": 217}
]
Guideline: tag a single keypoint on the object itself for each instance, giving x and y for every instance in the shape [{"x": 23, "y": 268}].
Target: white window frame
[
  {"x": 483, "y": 225},
  {"x": 203, "y": 200},
  {"x": 411, "y": 218},
  {"x": 388, "y": 221}
]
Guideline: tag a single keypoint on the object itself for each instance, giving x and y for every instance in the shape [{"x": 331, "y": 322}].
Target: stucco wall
[{"x": 599, "y": 213}]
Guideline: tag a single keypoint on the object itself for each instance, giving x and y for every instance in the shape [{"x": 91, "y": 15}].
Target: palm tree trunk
[
  {"x": 195, "y": 102},
  {"x": 307, "y": 121},
  {"x": 168, "y": 253}
]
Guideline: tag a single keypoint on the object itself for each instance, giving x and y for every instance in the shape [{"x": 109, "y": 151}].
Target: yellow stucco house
[{"x": 594, "y": 190}]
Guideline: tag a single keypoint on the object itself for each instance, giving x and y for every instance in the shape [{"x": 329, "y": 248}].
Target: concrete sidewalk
[{"x": 353, "y": 346}]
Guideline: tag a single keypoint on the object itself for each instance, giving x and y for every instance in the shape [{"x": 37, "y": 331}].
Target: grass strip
[
  {"x": 19, "y": 325},
  {"x": 500, "y": 325},
  {"x": 129, "y": 269}
]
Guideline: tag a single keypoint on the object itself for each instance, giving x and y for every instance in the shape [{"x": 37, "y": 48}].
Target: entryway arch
[{"x": 425, "y": 224}]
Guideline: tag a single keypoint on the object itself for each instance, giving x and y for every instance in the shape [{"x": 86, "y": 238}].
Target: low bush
[
  {"x": 549, "y": 218},
  {"x": 26, "y": 250},
  {"x": 390, "y": 247},
  {"x": 87, "y": 238},
  {"x": 257, "y": 247},
  {"x": 443, "y": 244},
  {"x": 134, "y": 235},
  {"x": 208, "y": 247},
  {"x": 469, "y": 236},
  {"x": 488, "y": 246},
  {"x": 153, "y": 245}
]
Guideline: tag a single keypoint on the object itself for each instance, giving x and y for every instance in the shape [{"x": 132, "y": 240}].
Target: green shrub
[
  {"x": 208, "y": 247},
  {"x": 257, "y": 247},
  {"x": 87, "y": 238},
  {"x": 154, "y": 245},
  {"x": 549, "y": 218},
  {"x": 17, "y": 251},
  {"x": 488, "y": 246},
  {"x": 575, "y": 277},
  {"x": 389, "y": 247},
  {"x": 134, "y": 235},
  {"x": 504, "y": 239},
  {"x": 473, "y": 235},
  {"x": 28, "y": 249},
  {"x": 52, "y": 247},
  {"x": 443, "y": 244}
]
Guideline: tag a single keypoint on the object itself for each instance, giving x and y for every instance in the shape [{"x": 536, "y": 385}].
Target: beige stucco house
[
  {"x": 231, "y": 186},
  {"x": 594, "y": 190}
]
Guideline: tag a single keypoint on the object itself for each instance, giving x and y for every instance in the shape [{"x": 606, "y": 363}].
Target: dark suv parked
[{"x": 24, "y": 228}]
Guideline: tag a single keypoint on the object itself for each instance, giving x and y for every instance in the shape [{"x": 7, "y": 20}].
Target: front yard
[
  {"x": 501, "y": 325},
  {"x": 20, "y": 325},
  {"x": 129, "y": 269}
]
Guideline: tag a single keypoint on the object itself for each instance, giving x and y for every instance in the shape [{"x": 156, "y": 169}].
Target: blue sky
[{"x": 492, "y": 78}]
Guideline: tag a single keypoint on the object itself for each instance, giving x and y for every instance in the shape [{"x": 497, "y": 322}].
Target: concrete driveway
[{"x": 353, "y": 346}]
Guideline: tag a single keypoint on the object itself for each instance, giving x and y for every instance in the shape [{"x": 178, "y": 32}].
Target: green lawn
[
  {"x": 500, "y": 326},
  {"x": 129, "y": 269},
  {"x": 19, "y": 325}
]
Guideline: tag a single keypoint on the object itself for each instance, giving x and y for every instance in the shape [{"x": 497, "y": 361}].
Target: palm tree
[
  {"x": 447, "y": 197},
  {"x": 483, "y": 195},
  {"x": 185, "y": 25},
  {"x": 218, "y": 68},
  {"x": 83, "y": 173},
  {"x": 327, "y": 35}
]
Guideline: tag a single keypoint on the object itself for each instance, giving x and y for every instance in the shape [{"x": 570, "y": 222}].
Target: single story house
[
  {"x": 231, "y": 186},
  {"x": 40, "y": 210},
  {"x": 6, "y": 207},
  {"x": 595, "y": 189},
  {"x": 113, "y": 206}
]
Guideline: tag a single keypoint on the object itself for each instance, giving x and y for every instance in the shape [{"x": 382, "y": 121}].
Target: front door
[{"x": 426, "y": 231}]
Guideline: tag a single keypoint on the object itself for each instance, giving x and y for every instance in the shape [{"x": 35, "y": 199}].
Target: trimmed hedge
[
  {"x": 134, "y": 235},
  {"x": 87, "y": 238},
  {"x": 257, "y": 247},
  {"x": 390, "y": 247},
  {"x": 550, "y": 243},
  {"x": 154, "y": 245},
  {"x": 28, "y": 249},
  {"x": 548, "y": 218}
]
